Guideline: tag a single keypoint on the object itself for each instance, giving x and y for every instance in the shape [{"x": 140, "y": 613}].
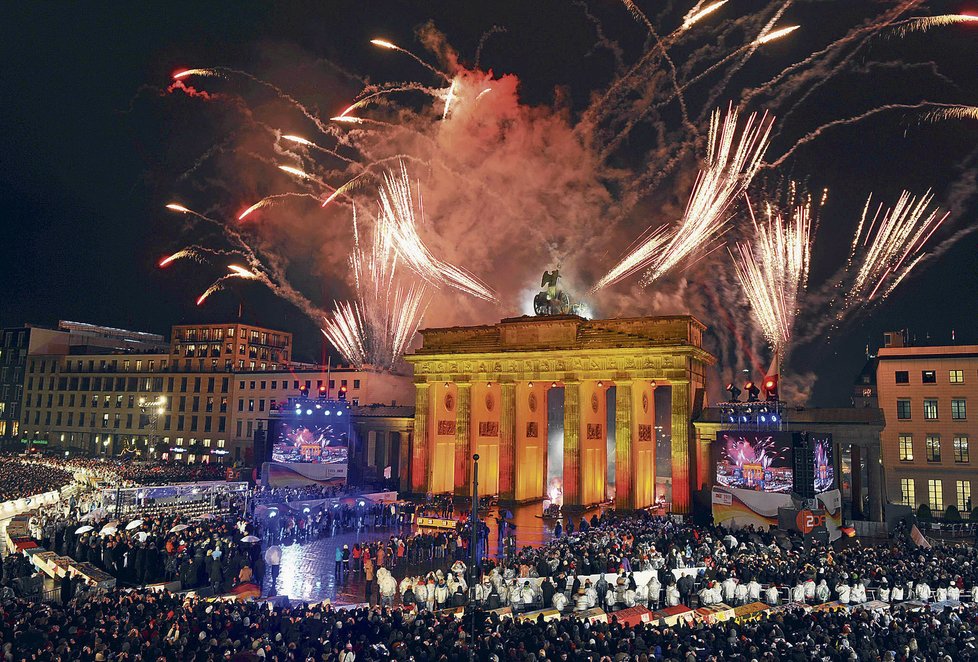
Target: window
[
  {"x": 240, "y": 405},
  {"x": 928, "y": 376},
  {"x": 933, "y": 448},
  {"x": 962, "y": 454},
  {"x": 935, "y": 495},
  {"x": 963, "y": 490},
  {"x": 959, "y": 410},
  {"x": 906, "y": 448},
  {"x": 251, "y": 405},
  {"x": 356, "y": 383},
  {"x": 956, "y": 376},
  {"x": 903, "y": 410},
  {"x": 930, "y": 410},
  {"x": 908, "y": 492},
  {"x": 902, "y": 377}
]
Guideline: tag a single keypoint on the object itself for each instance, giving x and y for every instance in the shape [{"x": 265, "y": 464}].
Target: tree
[
  {"x": 952, "y": 514},
  {"x": 923, "y": 513}
]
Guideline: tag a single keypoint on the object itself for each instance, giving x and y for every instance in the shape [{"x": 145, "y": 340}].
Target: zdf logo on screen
[{"x": 808, "y": 521}]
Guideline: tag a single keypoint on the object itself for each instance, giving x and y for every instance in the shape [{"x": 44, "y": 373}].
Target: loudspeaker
[
  {"x": 262, "y": 452},
  {"x": 803, "y": 462}
]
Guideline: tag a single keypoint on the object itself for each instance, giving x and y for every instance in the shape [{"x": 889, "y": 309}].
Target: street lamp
[{"x": 474, "y": 521}]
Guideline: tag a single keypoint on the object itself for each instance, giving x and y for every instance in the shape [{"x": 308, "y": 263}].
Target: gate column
[
  {"x": 572, "y": 443},
  {"x": 681, "y": 496}
]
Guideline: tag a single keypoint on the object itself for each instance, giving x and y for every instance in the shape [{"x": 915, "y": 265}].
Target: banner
[
  {"x": 275, "y": 474},
  {"x": 736, "y": 509},
  {"x": 918, "y": 537}
]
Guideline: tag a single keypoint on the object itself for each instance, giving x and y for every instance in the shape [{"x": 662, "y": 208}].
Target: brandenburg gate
[{"x": 483, "y": 389}]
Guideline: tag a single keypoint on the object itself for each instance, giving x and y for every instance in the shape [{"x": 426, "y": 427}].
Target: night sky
[{"x": 90, "y": 151}]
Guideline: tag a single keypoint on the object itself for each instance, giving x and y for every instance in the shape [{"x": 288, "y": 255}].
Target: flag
[
  {"x": 918, "y": 537},
  {"x": 849, "y": 531}
]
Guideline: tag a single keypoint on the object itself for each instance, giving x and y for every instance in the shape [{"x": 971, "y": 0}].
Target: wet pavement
[{"x": 308, "y": 572}]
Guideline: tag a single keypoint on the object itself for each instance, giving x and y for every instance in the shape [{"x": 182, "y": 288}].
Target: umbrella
[
  {"x": 83, "y": 529},
  {"x": 95, "y": 514},
  {"x": 251, "y": 539},
  {"x": 205, "y": 516},
  {"x": 178, "y": 528},
  {"x": 112, "y": 522},
  {"x": 142, "y": 535},
  {"x": 135, "y": 524},
  {"x": 108, "y": 530}
]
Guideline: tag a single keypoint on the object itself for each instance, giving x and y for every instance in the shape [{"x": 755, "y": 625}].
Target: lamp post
[{"x": 474, "y": 522}]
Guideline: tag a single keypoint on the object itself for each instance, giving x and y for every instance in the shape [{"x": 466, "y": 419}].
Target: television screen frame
[{"x": 754, "y": 460}]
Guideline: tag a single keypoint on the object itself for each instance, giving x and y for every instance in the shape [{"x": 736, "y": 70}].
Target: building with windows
[
  {"x": 924, "y": 393},
  {"x": 105, "y": 392},
  {"x": 229, "y": 347},
  {"x": 17, "y": 344}
]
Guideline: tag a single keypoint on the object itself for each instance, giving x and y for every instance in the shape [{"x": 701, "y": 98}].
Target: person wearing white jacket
[
  {"x": 922, "y": 591},
  {"x": 884, "y": 593},
  {"x": 672, "y": 595},
  {"x": 809, "y": 590},
  {"x": 753, "y": 590},
  {"x": 655, "y": 591},
  {"x": 940, "y": 595},
  {"x": 858, "y": 593},
  {"x": 772, "y": 596},
  {"x": 822, "y": 592},
  {"x": 560, "y": 602},
  {"x": 706, "y": 596},
  {"x": 740, "y": 594},
  {"x": 729, "y": 588},
  {"x": 954, "y": 593},
  {"x": 844, "y": 592},
  {"x": 974, "y": 593},
  {"x": 896, "y": 595},
  {"x": 387, "y": 586},
  {"x": 798, "y": 592},
  {"x": 642, "y": 594}
]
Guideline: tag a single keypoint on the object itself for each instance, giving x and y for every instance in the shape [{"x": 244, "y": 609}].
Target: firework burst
[
  {"x": 773, "y": 271},
  {"x": 888, "y": 246}
]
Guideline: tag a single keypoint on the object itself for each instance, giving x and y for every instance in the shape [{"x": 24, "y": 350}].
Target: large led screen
[
  {"x": 307, "y": 441},
  {"x": 751, "y": 460},
  {"x": 823, "y": 457}
]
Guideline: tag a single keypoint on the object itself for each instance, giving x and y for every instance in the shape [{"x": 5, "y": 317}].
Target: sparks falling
[
  {"x": 925, "y": 23},
  {"x": 731, "y": 163},
  {"x": 773, "y": 271},
  {"x": 888, "y": 245},
  {"x": 398, "y": 219}
]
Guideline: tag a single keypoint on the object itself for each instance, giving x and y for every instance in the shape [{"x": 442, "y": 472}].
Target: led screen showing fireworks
[
  {"x": 316, "y": 442},
  {"x": 758, "y": 461},
  {"x": 823, "y": 457}
]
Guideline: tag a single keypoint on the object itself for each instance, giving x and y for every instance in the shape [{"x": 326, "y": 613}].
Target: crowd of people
[
  {"x": 135, "y": 625},
  {"x": 20, "y": 478},
  {"x": 611, "y": 561}
]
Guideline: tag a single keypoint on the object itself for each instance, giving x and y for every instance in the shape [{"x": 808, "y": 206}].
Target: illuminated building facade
[
  {"x": 929, "y": 396},
  {"x": 484, "y": 389}
]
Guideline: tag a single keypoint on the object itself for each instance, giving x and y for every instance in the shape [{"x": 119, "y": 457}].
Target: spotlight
[
  {"x": 304, "y": 391},
  {"x": 322, "y": 392},
  {"x": 752, "y": 391},
  {"x": 600, "y": 384},
  {"x": 530, "y": 384},
  {"x": 734, "y": 392},
  {"x": 309, "y": 412},
  {"x": 342, "y": 395},
  {"x": 488, "y": 384},
  {"x": 653, "y": 384},
  {"x": 763, "y": 419},
  {"x": 774, "y": 418},
  {"x": 771, "y": 388},
  {"x": 553, "y": 385},
  {"x": 339, "y": 413},
  {"x": 326, "y": 412},
  {"x": 446, "y": 384}
]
